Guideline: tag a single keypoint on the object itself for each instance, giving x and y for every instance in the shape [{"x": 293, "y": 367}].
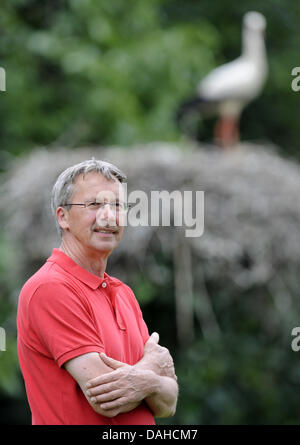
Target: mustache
[{"x": 106, "y": 227}]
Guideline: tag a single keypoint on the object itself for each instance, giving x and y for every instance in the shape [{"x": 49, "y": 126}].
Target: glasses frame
[{"x": 101, "y": 204}]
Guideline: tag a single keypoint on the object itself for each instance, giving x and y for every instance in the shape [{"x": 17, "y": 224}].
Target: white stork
[{"x": 228, "y": 89}]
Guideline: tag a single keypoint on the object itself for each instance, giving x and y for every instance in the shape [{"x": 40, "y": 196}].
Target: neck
[
  {"x": 254, "y": 45},
  {"x": 94, "y": 263}
]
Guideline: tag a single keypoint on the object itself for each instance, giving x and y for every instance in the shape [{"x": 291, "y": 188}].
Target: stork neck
[{"x": 253, "y": 45}]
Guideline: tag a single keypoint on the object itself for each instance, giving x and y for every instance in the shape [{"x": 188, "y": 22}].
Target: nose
[
  {"x": 108, "y": 208},
  {"x": 106, "y": 213}
]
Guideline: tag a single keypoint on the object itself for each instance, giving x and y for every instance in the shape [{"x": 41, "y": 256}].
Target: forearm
[
  {"x": 152, "y": 379},
  {"x": 123, "y": 390},
  {"x": 114, "y": 411},
  {"x": 162, "y": 401}
]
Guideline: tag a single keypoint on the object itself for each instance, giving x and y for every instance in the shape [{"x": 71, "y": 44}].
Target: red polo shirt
[{"x": 64, "y": 311}]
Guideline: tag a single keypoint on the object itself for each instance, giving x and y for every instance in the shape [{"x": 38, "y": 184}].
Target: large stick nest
[{"x": 252, "y": 211}]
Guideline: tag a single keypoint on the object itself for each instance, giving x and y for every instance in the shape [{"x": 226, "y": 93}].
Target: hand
[
  {"x": 122, "y": 389},
  {"x": 157, "y": 358}
]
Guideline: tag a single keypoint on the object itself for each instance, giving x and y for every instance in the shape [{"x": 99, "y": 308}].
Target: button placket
[
  {"x": 111, "y": 294},
  {"x": 119, "y": 319}
]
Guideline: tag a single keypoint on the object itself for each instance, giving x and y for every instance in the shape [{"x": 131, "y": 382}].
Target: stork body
[{"x": 228, "y": 89}]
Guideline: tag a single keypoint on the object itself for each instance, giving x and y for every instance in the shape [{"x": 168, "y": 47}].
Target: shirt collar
[{"x": 66, "y": 263}]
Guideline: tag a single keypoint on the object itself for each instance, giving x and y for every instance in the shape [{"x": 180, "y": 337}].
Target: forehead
[{"x": 94, "y": 185}]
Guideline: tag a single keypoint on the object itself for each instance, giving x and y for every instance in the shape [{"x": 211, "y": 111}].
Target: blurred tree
[{"x": 84, "y": 71}]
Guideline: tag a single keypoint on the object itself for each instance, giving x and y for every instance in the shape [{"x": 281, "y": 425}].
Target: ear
[{"x": 62, "y": 217}]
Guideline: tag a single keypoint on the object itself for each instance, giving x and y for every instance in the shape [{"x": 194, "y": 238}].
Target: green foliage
[
  {"x": 89, "y": 72},
  {"x": 10, "y": 384},
  {"x": 237, "y": 379},
  {"x": 144, "y": 288}
]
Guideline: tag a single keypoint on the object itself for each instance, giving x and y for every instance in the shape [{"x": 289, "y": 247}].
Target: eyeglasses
[{"x": 115, "y": 206}]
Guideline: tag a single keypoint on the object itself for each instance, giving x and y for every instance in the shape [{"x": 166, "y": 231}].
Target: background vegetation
[{"x": 90, "y": 72}]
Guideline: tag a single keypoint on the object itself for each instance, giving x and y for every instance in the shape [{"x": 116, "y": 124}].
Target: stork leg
[{"x": 226, "y": 133}]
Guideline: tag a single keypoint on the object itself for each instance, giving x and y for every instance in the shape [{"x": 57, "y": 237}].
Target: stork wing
[{"x": 240, "y": 79}]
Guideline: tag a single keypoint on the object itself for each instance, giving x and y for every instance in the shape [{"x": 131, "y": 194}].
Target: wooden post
[{"x": 183, "y": 288}]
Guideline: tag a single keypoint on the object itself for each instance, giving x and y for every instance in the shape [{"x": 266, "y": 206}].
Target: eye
[
  {"x": 94, "y": 205},
  {"x": 120, "y": 206}
]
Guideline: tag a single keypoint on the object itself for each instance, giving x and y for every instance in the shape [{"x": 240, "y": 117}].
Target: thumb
[
  {"x": 154, "y": 338},
  {"x": 112, "y": 363}
]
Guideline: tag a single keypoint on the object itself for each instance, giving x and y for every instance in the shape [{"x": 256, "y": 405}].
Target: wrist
[
  {"x": 151, "y": 382},
  {"x": 146, "y": 364}
]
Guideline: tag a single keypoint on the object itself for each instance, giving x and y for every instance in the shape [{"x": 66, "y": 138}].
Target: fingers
[
  {"x": 107, "y": 397},
  {"x": 154, "y": 338},
  {"x": 112, "y": 363},
  {"x": 103, "y": 389},
  {"x": 109, "y": 376},
  {"x": 114, "y": 404},
  {"x": 104, "y": 378}
]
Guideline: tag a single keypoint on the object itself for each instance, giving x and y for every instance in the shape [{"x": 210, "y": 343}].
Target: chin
[{"x": 105, "y": 246}]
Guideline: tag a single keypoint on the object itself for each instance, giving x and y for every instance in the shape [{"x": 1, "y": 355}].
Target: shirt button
[{"x": 103, "y": 284}]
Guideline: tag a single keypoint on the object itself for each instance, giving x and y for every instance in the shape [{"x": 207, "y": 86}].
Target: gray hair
[{"x": 63, "y": 188}]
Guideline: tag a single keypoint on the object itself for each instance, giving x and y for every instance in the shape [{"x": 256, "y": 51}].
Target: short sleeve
[
  {"x": 63, "y": 322},
  {"x": 142, "y": 325}
]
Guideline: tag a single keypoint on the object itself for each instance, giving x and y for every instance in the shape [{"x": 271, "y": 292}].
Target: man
[{"x": 84, "y": 348}]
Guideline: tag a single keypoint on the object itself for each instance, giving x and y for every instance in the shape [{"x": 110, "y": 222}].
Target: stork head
[{"x": 255, "y": 21}]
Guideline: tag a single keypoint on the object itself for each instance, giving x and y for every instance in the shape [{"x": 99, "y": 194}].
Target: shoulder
[
  {"x": 43, "y": 275},
  {"x": 48, "y": 284}
]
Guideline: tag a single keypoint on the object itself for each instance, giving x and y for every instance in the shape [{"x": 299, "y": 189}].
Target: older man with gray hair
[{"x": 83, "y": 346}]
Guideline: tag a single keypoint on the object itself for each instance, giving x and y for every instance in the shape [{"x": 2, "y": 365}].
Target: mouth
[{"x": 106, "y": 232}]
